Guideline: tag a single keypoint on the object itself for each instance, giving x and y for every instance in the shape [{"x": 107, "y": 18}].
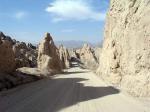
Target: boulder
[
  {"x": 125, "y": 57},
  {"x": 48, "y": 56}
]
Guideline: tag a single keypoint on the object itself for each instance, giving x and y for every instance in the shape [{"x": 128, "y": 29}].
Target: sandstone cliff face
[
  {"x": 87, "y": 57},
  {"x": 7, "y": 56},
  {"x": 64, "y": 57},
  {"x": 125, "y": 57},
  {"x": 48, "y": 55}
]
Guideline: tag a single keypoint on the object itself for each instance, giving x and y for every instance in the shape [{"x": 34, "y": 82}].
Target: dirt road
[{"x": 77, "y": 90}]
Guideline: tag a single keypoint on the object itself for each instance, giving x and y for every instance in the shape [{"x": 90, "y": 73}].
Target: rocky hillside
[
  {"x": 25, "y": 55},
  {"x": 14, "y": 55},
  {"x": 125, "y": 57},
  {"x": 22, "y": 63}
]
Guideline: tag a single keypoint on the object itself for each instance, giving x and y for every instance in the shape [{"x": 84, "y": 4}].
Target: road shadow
[
  {"x": 53, "y": 95},
  {"x": 75, "y": 92},
  {"x": 67, "y": 73}
]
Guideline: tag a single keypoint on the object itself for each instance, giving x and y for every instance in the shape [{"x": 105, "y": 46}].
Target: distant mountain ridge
[{"x": 75, "y": 43}]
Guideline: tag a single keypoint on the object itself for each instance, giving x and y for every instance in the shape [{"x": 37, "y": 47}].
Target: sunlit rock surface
[{"x": 125, "y": 57}]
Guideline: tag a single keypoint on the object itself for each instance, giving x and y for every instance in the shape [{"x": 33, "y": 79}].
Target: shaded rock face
[
  {"x": 125, "y": 57},
  {"x": 25, "y": 56},
  {"x": 87, "y": 57},
  {"x": 8, "y": 38},
  {"x": 31, "y": 46},
  {"x": 64, "y": 57},
  {"x": 7, "y": 56},
  {"x": 48, "y": 55}
]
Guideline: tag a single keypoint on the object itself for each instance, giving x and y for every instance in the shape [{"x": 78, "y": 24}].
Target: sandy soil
[{"x": 77, "y": 90}]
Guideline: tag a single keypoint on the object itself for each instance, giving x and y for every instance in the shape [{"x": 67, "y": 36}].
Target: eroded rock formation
[
  {"x": 87, "y": 57},
  {"x": 48, "y": 55},
  {"x": 64, "y": 57},
  {"x": 125, "y": 57}
]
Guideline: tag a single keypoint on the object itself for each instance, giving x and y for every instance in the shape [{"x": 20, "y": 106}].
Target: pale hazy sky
[{"x": 27, "y": 20}]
